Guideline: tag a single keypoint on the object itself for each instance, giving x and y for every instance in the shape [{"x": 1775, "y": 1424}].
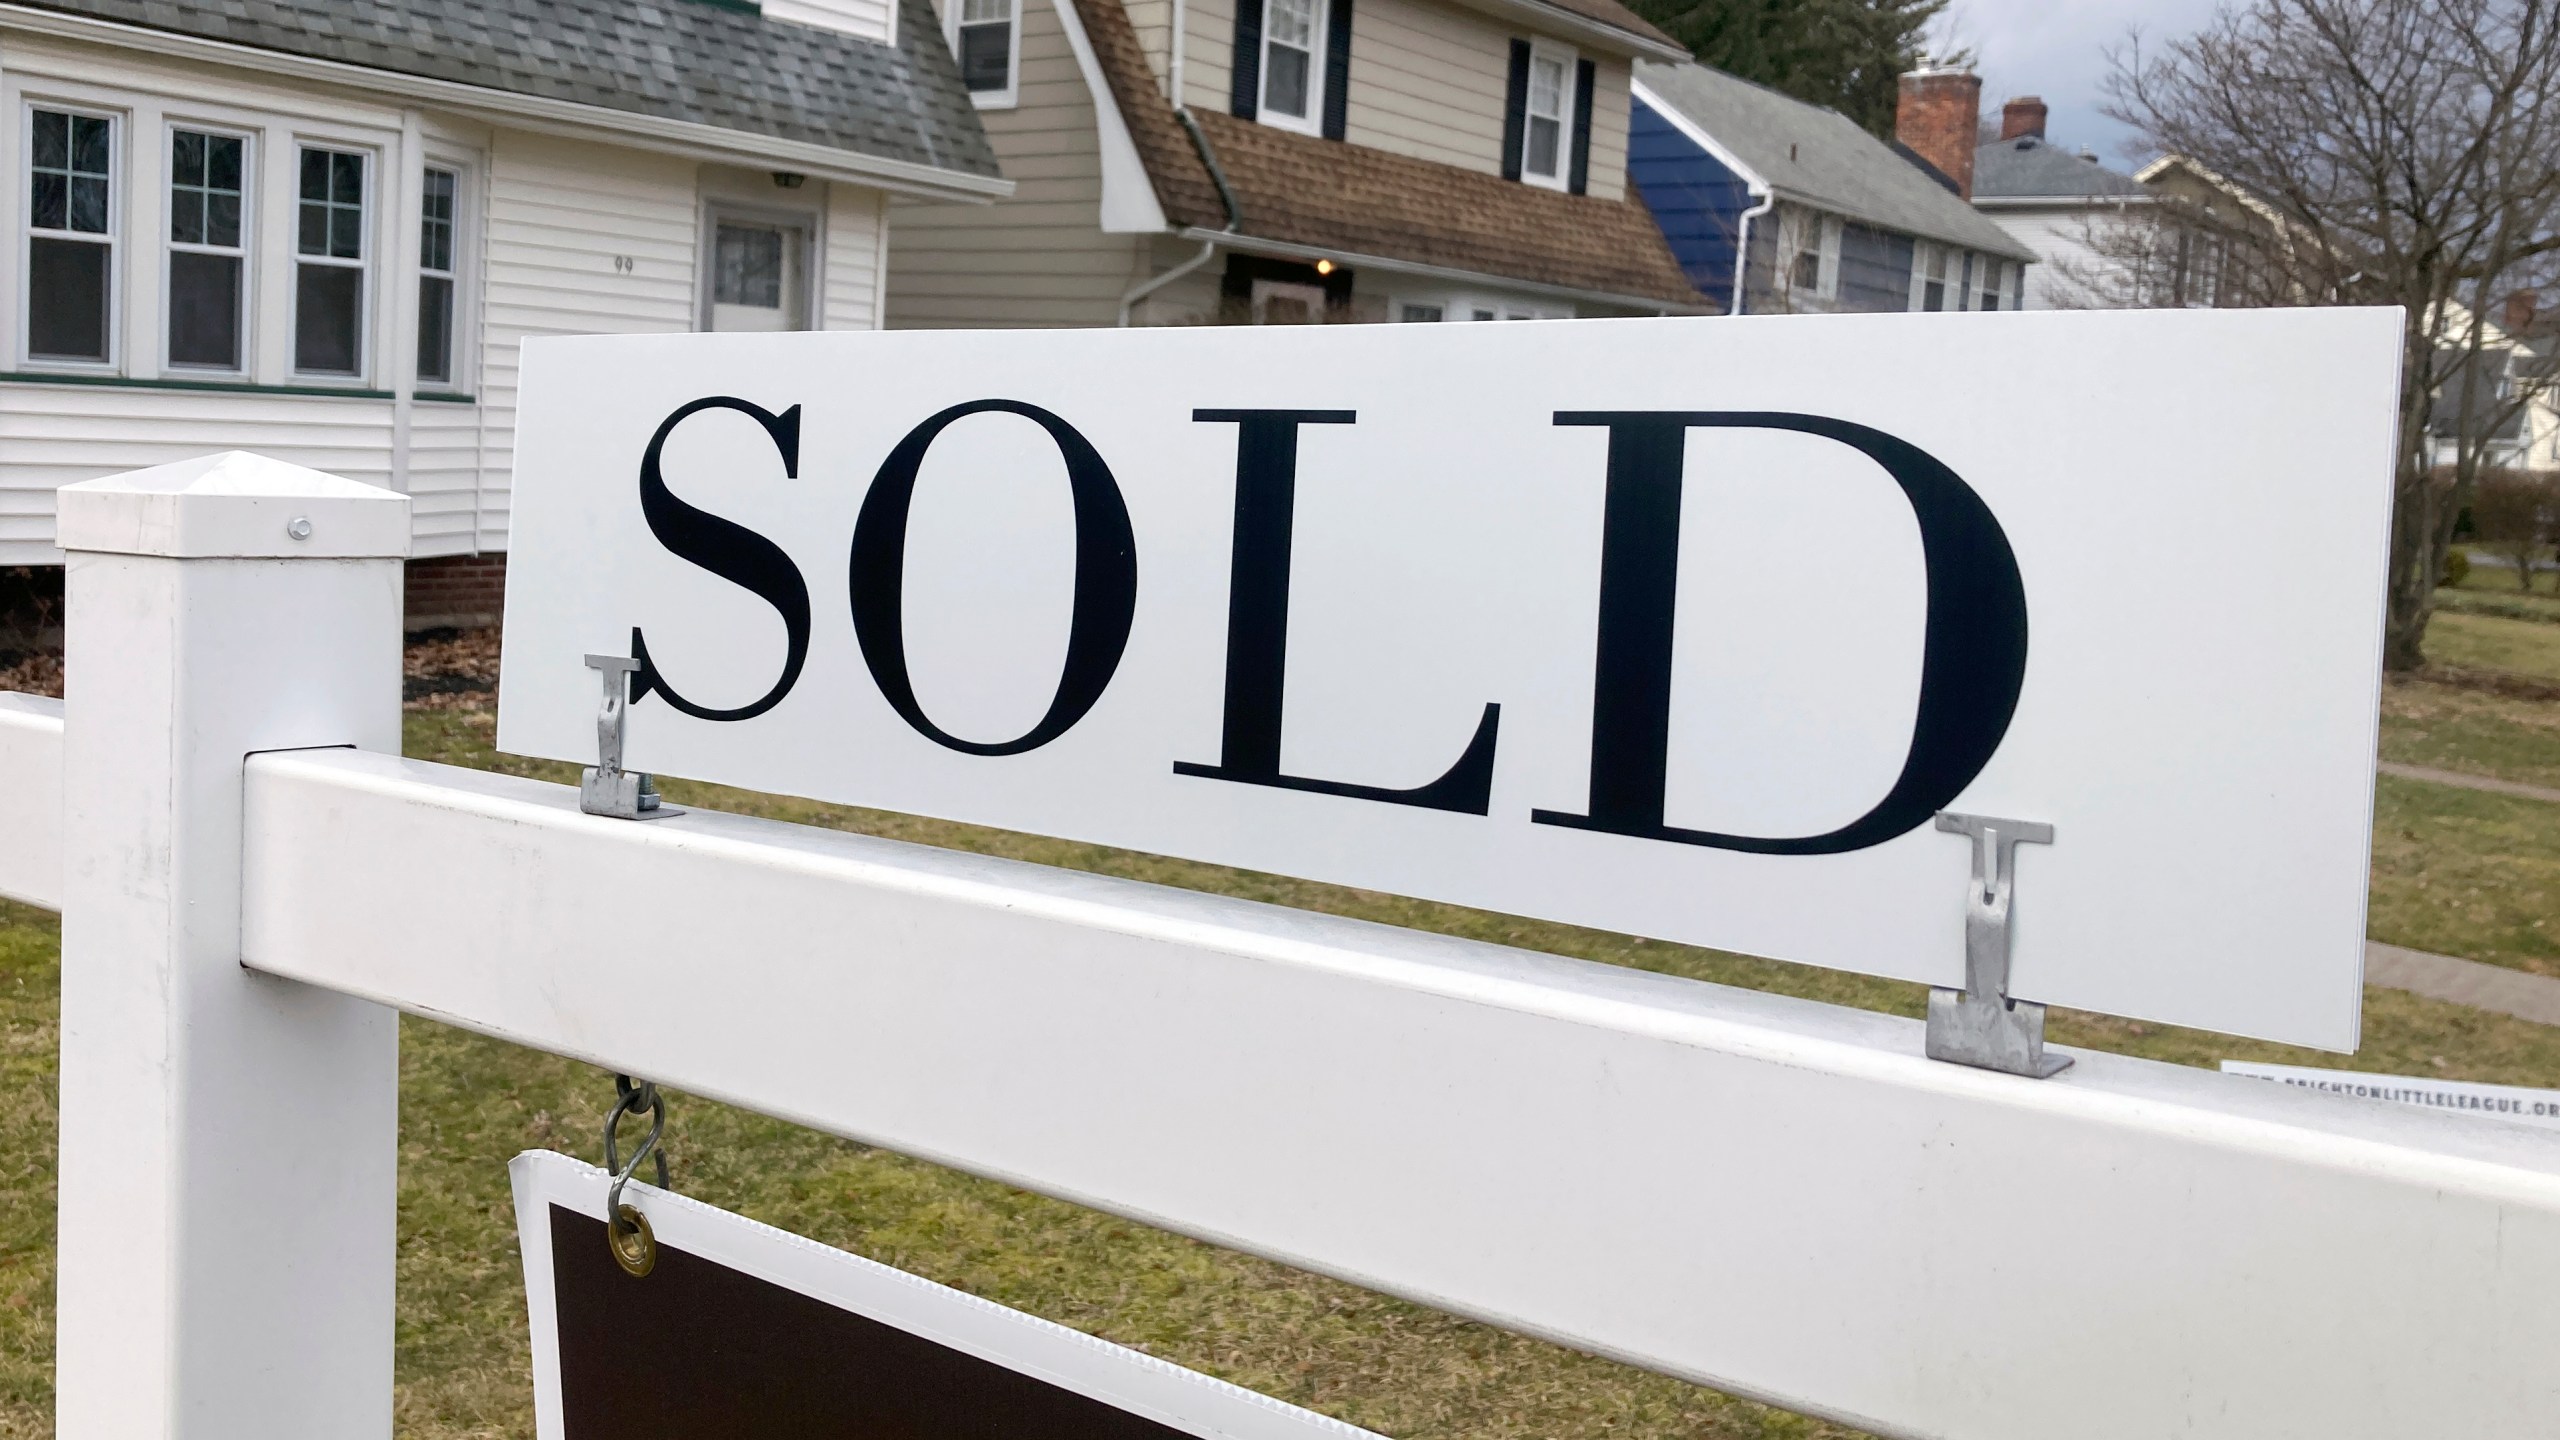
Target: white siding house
[{"x": 323, "y": 233}]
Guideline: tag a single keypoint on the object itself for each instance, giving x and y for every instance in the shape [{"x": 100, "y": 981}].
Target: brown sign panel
[
  {"x": 739, "y": 1331},
  {"x": 697, "y": 1351}
]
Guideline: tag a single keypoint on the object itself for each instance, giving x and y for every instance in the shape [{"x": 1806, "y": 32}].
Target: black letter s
[{"x": 729, "y": 550}]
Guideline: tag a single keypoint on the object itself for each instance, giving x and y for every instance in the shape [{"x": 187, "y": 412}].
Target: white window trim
[
  {"x": 1011, "y": 95},
  {"x": 813, "y": 238},
  {"x": 1571, "y": 61},
  {"x": 247, "y": 251},
  {"x": 465, "y": 272},
  {"x": 119, "y": 172},
  {"x": 1319, "y": 30},
  {"x": 368, "y": 243}
]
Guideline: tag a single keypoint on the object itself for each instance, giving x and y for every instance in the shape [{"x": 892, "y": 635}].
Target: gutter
[
  {"x": 688, "y": 138},
  {"x": 1286, "y": 250},
  {"x": 1209, "y": 239}
]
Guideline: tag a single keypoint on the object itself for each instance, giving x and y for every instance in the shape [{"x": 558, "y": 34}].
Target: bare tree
[{"x": 2382, "y": 152}]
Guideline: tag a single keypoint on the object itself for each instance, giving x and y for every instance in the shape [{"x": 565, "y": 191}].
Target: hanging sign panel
[
  {"x": 739, "y": 1329},
  {"x": 1679, "y": 627}
]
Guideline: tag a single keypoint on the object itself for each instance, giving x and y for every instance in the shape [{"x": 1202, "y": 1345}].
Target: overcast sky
[{"x": 2057, "y": 49}]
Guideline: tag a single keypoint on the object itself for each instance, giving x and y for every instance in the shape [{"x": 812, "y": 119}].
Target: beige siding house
[
  {"x": 322, "y": 232},
  {"x": 1191, "y": 161}
]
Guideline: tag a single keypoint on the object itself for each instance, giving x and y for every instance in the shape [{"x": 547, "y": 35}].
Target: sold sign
[{"x": 1684, "y": 628}]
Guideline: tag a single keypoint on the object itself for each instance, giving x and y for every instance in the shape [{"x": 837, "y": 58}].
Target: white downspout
[
  {"x": 1209, "y": 161},
  {"x": 1742, "y": 247}
]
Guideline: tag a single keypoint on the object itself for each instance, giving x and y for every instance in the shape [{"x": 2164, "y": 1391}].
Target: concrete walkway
[
  {"x": 2468, "y": 782},
  {"x": 2463, "y": 982}
]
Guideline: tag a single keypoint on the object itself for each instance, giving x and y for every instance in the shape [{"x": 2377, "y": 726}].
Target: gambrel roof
[{"x": 680, "y": 60}]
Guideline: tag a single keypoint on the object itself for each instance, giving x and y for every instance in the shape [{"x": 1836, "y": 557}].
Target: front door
[{"x": 759, "y": 276}]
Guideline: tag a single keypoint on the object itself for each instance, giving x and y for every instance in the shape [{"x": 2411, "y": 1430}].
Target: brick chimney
[
  {"x": 2022, "y": 116},
  {"x": 1939, "y": 118},
  {"x": 2521, "y": 307}
]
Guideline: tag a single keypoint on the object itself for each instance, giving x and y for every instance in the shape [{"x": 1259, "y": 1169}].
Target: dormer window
[
  {"x": 1290, "y": 78},
  {"x": 1546, "y": 121},
  {"x": 1542, "y": 163},
  {"x": 985, "y": 40},
  {"x": 1293, "y": 65}
]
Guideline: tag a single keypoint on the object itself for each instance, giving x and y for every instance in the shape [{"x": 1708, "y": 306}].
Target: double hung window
[
  {"x": 1548, "y": 117},
  {"x": 329, "y": 263},
  {"x": 984, "y": 41},
  {"x": 208, "y": 250},
  {"x": 1290, "y": 78},
  {"x": 438, "y": 267},
  {"x": 71, "y": 216}
]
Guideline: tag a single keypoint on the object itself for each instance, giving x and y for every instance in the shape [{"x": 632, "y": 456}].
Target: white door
[{"x": 759, "y": 275}]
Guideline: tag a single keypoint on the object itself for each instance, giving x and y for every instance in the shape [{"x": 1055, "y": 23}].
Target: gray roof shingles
[
  {"x": 1819, "y": 157},
  {"x": 2030, "y": 166},
  {"x": 673, "y": 59}
]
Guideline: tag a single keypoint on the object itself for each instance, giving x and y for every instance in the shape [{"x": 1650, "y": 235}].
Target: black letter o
[{"x": 1106, "y": 593}]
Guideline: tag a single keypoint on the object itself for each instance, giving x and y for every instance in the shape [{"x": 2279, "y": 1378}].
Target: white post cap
[{"x": 232, "y": 504}]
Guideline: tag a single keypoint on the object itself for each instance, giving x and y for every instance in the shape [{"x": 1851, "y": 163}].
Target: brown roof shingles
[{"x": 1354, "y": 200}]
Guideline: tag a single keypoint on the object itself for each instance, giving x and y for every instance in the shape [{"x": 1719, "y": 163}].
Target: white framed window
[
  {"x": 440, "y": 277},
  {"x": 206, "y": 272},
  {"x": 1935, "y": 279},
  {"x": 1292, "y": 72},
  {"x": 1412, "y": 312},
  {"x": 332, "y": 258},
  {"x": 986, "y": 39},
  {"x": 72, "y": 219},
  {"x": 1546, "y": 136},
  {"x": 1991, "y": 284},
  {"x": 1470, "y": 309}
]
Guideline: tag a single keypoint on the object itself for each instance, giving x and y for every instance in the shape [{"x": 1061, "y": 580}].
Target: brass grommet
[{"x": 634, "y": 1244}]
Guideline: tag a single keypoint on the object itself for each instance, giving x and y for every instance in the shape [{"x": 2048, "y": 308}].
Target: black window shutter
[
  {"x": 1515, "y": 109},
  {"x": 1337, "y": 69},
  {"x": 1580, "y": 177},
  {"x": 1244, "y": 94}
]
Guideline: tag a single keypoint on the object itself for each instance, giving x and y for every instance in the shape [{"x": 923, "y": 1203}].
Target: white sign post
[{"x": 1684, "y": 628}]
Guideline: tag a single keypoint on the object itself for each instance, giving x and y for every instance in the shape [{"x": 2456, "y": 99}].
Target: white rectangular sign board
[{"x": 1678, "y": 627}]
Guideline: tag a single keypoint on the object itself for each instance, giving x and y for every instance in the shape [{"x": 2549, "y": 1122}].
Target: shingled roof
[
  {"x": 1354, "y": 200},
  {"x": 673, "y": 59}
]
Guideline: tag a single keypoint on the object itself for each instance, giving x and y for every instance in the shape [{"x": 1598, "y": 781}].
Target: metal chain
[{"x": 627, "y": 1231}]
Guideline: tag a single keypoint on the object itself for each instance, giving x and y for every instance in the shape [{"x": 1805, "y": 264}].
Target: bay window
[
  {"x": 329, "y": 264},
  {"x": 208, "y": 257},
  {"x": 71, "y": 215}
]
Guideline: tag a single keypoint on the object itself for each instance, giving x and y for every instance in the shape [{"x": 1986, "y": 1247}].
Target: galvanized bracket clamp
[
  {"x": 1980, "y": 1025},
  {"x": 605, "y": 788}
]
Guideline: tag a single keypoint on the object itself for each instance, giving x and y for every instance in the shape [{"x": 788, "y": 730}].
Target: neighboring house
[
  {"x": 1206, "y": 161},
  {"x": 2514, "y": 392},
  {"x": 2076, "y": 214},
  {"x": 322, "y": 231},
  {"x": 1822, "y": 216}
]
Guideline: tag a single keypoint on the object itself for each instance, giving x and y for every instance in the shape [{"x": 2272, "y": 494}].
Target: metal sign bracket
[
  {"x": 1981, "y": 1025},
  {"x": 605, "y": 788}
]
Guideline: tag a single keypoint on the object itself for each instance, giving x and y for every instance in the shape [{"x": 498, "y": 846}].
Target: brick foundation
[{"x": 457, "y": 592}]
